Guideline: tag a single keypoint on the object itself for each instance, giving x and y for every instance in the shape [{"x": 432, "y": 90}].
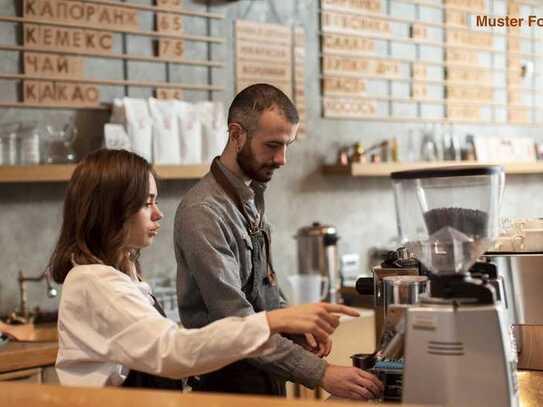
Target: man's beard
[{"x": 251, "y": 168}]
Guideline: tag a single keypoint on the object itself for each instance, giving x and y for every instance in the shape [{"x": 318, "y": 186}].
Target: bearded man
[{"x": 224, "y": 267}]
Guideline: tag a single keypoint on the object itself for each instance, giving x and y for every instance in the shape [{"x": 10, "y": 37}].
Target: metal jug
[{"x": 317, "y": 254}]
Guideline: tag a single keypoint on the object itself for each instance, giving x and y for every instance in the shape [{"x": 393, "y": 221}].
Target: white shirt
[{"x": 107, "y": 325}]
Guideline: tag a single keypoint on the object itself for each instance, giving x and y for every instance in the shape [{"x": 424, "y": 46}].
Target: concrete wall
[{"x": 361, "y": 209}]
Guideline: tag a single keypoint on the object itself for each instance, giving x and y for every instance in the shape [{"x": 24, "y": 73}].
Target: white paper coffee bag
[
  {"x": 190, "y": 133},
  {"x": 214, "y": 129},
  {"x": 166, "y": 149},
  {"x": 139, "y": 126}
]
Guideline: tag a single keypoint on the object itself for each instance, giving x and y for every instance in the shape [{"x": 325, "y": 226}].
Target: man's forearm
[{"x": 291, "y": 362}]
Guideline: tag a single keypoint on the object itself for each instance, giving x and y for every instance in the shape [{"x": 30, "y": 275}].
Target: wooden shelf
[
  {"x": 63, "y": 172},
  {"x": 384, "y": 169}
]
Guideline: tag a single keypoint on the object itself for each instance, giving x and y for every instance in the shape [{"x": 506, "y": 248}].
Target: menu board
[
  {"x": 298, "y": 79},
  {"x": 431, "y": 61},
  {"x": 60, "y": 36},
  {"x": 275, "y": 54}
]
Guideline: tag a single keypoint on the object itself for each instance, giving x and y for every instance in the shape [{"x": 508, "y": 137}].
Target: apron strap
[
  {"x": 252, "y": 228},
  {"x": 227, "y": 186}
]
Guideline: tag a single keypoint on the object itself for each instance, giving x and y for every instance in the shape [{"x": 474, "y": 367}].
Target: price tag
[
  {"x": 169, "y": 4},
  {"x": 168, "y": 94},
  {"x": 170, "y": 48},
  {"x": 169, "y": 23}
]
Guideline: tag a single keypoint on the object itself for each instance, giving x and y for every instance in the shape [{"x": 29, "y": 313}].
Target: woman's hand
[{"x": 320, "y": 320}]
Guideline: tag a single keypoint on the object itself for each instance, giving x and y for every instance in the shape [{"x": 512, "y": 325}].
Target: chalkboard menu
[{"x": 458, "y": 61}]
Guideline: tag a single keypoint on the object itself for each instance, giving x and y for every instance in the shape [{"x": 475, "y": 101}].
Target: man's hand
[
  {"x": 319, "y": 348},
  {"x": 351, "y": 383}
]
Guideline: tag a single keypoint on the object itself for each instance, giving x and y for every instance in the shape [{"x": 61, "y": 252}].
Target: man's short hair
[{"x": 252, "y": 101}]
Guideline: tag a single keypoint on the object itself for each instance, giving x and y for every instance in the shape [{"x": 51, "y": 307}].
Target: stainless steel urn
[{"x": 317, "y": 254}]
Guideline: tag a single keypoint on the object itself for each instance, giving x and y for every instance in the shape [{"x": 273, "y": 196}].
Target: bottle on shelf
[
  {"x": 468, "y": 151},
  {"x": 359, "y": 154},
  {"x": 428, "y": 146}
]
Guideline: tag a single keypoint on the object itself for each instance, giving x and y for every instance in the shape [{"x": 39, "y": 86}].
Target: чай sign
[{"x": 52, "y": 65}]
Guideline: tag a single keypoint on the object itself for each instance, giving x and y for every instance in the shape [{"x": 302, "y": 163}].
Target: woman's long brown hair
[{"x": 105, "y": 190}]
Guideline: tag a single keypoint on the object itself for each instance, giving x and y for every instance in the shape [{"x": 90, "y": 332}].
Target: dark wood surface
[{"x": 24, "y": 355}]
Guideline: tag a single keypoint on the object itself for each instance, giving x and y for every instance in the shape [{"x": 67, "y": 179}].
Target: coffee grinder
[{"x": 458, "y": 349}]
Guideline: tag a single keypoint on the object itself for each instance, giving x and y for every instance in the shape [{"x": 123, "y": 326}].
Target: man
[{"x": 222, "y": 246}]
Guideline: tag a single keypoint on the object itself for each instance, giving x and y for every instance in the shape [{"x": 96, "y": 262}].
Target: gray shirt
[{"x": 213, "y": 252}]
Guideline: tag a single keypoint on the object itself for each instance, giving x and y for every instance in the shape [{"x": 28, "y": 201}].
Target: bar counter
[{"x": 41, "y": 395}]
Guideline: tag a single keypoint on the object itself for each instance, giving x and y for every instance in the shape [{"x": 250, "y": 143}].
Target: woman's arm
[{"x": 123, "y": 327}]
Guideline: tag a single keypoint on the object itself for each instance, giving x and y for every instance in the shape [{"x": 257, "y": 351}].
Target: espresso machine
[{"x": 458, "y": 349}]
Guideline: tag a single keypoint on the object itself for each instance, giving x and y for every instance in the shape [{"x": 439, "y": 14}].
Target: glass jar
[
  {"x": 59, "y": 144},
  {"x": 9, "y": 150},
  {"x": 29, "y": 144}
]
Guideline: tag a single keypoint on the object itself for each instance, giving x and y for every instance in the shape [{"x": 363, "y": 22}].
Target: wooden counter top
[
  {"x": 41, "y": 395},
  {"x": 24, "y": 355}
]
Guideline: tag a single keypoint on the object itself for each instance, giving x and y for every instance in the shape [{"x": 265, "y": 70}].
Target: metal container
[
  {"x": 523, "y": 283},
  {"x": 317, "y": 254},
  {"x": 404, "y": 290}
]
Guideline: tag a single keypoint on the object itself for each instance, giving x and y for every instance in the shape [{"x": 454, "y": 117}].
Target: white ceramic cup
[{"x": 308, "y": 288}]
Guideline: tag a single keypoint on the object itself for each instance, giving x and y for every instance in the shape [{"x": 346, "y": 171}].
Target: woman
[{"x": 112, "y": 332}]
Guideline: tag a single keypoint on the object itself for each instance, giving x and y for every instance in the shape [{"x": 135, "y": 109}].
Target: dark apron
[
  {"x": 139, "y": 379},
  {"x": 262, "y": 293}
]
